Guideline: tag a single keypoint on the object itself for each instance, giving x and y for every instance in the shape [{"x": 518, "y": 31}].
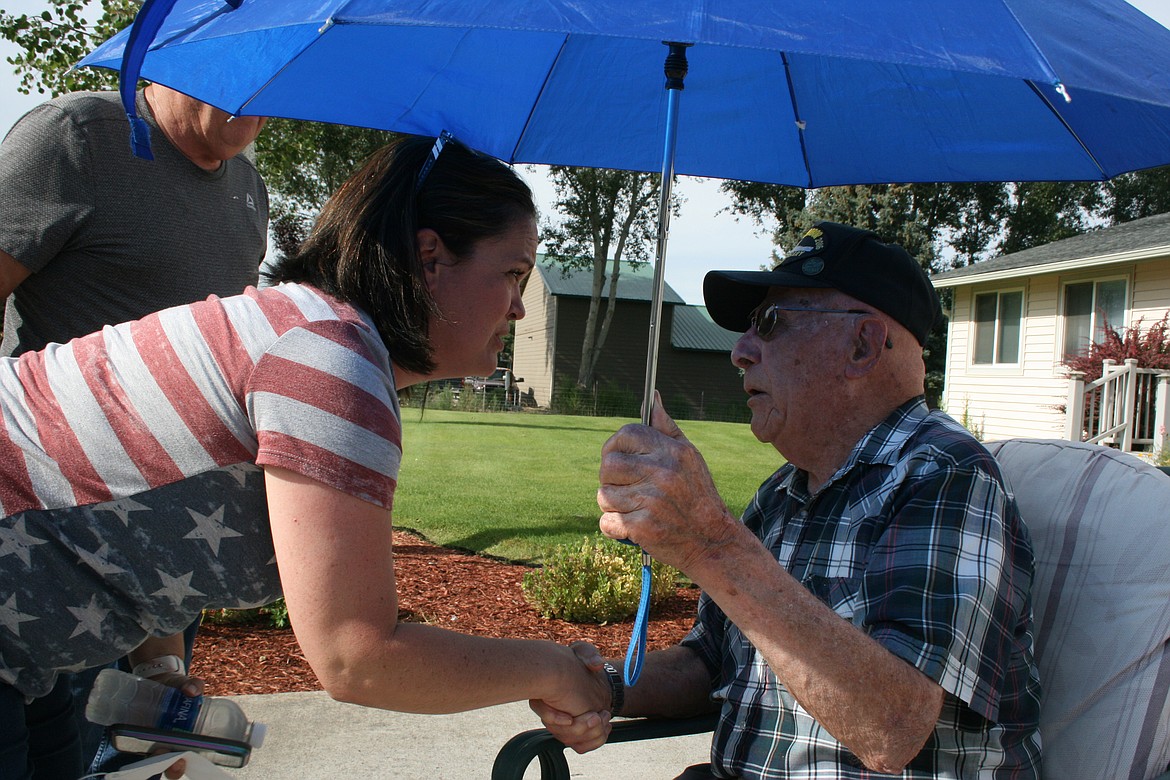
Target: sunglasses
[{"x": 765, "y": 318}]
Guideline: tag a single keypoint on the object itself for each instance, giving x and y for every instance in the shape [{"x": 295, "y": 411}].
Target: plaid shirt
[{"x": 915, "y": 541}]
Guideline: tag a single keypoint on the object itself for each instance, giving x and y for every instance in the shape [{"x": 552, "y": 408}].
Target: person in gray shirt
[{"x": 91, "y": 235}]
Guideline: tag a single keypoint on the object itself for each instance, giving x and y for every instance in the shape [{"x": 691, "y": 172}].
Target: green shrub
[
  {"x": 604, "y": 400},
  {"x": 274, "y": 615},
  {"x": 597, "y": 581},
  {"x": 969, "y": 422}
]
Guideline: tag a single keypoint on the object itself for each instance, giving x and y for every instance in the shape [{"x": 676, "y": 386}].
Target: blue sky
[{"x": 700, "y": 239}]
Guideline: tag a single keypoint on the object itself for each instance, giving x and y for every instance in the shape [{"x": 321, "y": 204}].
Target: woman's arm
[{"x": 337, "y": 569}]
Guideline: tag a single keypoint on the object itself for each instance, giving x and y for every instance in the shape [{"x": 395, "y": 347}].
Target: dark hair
[{"x": 363, "y": 248}]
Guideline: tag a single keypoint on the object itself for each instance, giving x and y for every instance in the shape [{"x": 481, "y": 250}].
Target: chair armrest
[{"x": 518, "y": 752}]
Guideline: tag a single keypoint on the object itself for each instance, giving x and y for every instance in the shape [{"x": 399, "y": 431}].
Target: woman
[{"x": 171, "y": 464}]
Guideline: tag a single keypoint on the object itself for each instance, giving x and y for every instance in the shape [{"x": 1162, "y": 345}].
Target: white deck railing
[{"x": 1125, "y": 408}]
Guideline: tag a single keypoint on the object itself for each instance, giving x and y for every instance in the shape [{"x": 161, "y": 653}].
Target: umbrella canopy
[{"x": 804, "y": 92}]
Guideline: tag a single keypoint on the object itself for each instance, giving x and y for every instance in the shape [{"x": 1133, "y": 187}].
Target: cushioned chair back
[{"x": 1100, "y": 526}]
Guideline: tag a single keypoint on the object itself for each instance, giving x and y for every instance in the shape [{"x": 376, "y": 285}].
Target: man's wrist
[
  {"x": 617, "y": 689},
  {"x": 164, "y": 664}
]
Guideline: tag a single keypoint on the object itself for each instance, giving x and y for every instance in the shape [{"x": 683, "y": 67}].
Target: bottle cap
[{"x": 257, "y": 734}]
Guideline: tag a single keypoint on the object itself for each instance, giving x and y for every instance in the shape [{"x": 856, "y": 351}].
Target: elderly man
[{"x": 871, "y": 612}]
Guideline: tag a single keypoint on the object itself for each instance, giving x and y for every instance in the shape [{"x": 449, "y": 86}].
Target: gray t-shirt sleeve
[{"x": 46, "y": 193}]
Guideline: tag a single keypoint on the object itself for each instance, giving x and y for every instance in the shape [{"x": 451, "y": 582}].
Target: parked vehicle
[{"x": 502, "y": 382}]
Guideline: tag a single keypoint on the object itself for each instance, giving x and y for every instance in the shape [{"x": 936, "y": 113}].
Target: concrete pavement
[{"x": 312, "y": 737}]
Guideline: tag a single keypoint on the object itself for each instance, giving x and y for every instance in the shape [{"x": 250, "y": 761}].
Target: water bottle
[{"x": 118, "y": 697}]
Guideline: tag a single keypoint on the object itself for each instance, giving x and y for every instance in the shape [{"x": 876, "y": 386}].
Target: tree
[
  {"x": 1047, "y": 211},
  {"x": 1136, "y": 195},
  {"x": 924, "y": 218},
  {"x": 303, "y": 163},
  {"x": 610, "y": 216},
  {"x": 52, "y": 41}
]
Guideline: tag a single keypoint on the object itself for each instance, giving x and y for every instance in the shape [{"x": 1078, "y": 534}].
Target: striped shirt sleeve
[{"x": 323, "y": 407}]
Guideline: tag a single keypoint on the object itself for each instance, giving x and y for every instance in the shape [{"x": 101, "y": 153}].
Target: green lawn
[{"x": 513, "y": 485}]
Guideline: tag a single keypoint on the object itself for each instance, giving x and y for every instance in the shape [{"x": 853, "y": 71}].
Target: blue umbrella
[{"x": 805, "y": 92}]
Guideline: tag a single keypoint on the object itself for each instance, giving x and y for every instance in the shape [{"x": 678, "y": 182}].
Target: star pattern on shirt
[
  {"x": 11, "y": 617},
  {"x": 99, "y": 561},
  {"x": 240, "y": 472},
  {"x": 89, "y": 618},
  {"x": 210, "y": 528},
  {"x": 176, "y": 588},
  {"x": 122, "y": 508},
  {"x": 17, "y": 541}
]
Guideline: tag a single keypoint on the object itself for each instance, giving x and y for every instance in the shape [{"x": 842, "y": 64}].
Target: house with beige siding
[
  {"x": 695, "y": 375},
  {"x": 1014, "y": 318}
]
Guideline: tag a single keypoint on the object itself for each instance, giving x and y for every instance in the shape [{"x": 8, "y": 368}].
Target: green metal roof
[
  {"x": 633, "y": 285},
  {"x": 693, "y": 328}
]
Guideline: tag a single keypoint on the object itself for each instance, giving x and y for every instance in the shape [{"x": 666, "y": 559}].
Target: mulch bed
[{"x": 436, "y": 585}]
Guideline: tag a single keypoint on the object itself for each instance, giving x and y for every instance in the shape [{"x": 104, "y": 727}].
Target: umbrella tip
[{"x": 1060, "y": 88}]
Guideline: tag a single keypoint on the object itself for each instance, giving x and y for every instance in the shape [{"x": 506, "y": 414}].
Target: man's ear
[{"x": 869, "y": 339}]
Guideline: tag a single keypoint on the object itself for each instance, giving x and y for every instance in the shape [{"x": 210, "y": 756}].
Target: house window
[
  {"x": 997, "y": 326},
  {"x": 1088, "y": 308}
]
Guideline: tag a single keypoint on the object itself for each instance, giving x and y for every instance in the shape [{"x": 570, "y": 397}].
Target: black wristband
[{"x": 617, "y": 689}]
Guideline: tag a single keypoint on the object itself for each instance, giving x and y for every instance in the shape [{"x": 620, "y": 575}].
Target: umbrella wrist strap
[{"x": 636, "y": 652}]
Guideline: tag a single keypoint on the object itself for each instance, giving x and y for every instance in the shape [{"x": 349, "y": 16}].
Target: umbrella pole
[{"x": 675, "y": 69}]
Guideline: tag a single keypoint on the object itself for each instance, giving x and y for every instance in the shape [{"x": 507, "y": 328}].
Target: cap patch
[
  {"x": 812, "y": 266},
  {"x": 812, "y": 241}
]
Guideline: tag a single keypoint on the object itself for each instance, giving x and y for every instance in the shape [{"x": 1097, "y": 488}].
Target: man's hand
[
  {"x": 657, "y": 492},
  {"x": 587, "y": 730}
]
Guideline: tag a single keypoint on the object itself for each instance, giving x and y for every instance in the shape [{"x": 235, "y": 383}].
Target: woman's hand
[
  {"x": 588, "y": 731},
  {"x": 188, "y": 686}
]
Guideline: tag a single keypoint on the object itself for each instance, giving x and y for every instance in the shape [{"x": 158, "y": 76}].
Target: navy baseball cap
[{"x": 838, "y": 257}]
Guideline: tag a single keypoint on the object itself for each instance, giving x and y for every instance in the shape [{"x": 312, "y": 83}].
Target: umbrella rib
[
  {"x": 799, "y": 121},
  {"x": 1088, "y": 152},
  {"x": 156, "y": 43},
  {"x": 1028, "y": 34},
  {"x": 288, "y": 64},
  {"x": 532, "y": 108}
]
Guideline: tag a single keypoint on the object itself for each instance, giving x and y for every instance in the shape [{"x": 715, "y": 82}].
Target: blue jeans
[
  {"x": 39, "y": 740},
  {"x": 95, "y": 739}
]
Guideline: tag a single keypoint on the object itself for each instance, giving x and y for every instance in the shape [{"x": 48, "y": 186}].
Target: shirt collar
[{"x": 882, "y": 444}]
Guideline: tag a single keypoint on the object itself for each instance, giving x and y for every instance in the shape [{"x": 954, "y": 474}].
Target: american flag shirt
[
  {"x": 131, "y": 491},
  {"x": 916, "y": 541}
]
